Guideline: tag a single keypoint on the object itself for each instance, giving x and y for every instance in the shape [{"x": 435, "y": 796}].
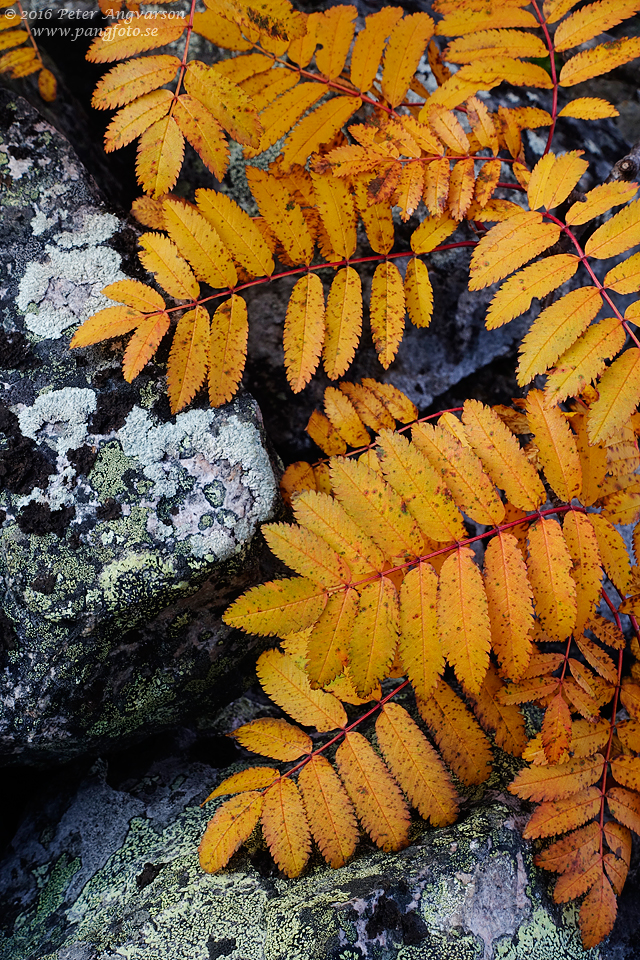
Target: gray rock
[
  {"x": 109, "y": 869},
  {"x": 124, "y": 530}
]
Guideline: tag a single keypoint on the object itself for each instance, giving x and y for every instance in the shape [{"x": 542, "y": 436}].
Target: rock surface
[
  {"x": 108, "y": 868},
  {"x": 125, "y": 531}
]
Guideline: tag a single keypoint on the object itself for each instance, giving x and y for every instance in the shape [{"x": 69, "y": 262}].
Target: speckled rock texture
[
  {"x": 107, "y": 869},
  {"x": 124, "y": 531}
]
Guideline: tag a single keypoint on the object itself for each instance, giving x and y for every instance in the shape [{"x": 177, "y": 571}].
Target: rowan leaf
[
  {"x": 369, "y": 46},
  {"x": 152, "y": 30},
  {"x": 557, "y": 731},
  {"x": 107, "y": 323},
  {"x": 582, "y": 544},
  {"x": 306, "y": 553},
  {"x": 462, "y": 472},
  {"x": 135, "y": 118},
  {"x": 556, "y": 446},
  {"x": 285, "y": 827},
  {"x": 336, "y": 207},
  {"x": 303, "y": 331},
  {"x": 188, "y": 359},
  {"x": 625, "y": 276},
  {"x": 409, "y": 189},
  {"x": 556, "y": 780},
  {"x": 160, "y": 155},
  {"x": 619, "y": 389},
  {"x": 377, "y": 220},
  {"x": 537, "y": 280},
  {"x": 437, "y": 174},
  {"x": 585, "y": 360},
  {"x": 375, "y": 635},
  {"x": 506, "y": 722},
  {"x": 599, "y": 200},
  {"x": 463, "y": 619},
  {"x": 376, "y": 508},
  {"x": 619, "y": 840},
  {"x": 419, "y": 648},
  {"x": 225, "y": 101},
  {"x": 577, "y": 847},
  {"x": 273, "y": 738},
  {"x": 555, "y": 330},
  {"x": 432, "y": 232},
  {"x": 387, "y": 312},
  {"x": 326, "y": 517},
  {"x": 230, "y": 826},
  {"x": 558, "y": 816},
  {"x": 280, "y": 606},
  {"x": 503, "y": 458},
  {"x": 548, "y": 566},
  {"x": 553, "y": 178},
  {"x": 613, "y": 552},
  {"x": 143, "y": 344},
  {"x": 459, "y": 22},
  {"x": 626, "y": 771},
  {"x": 375, "y": 795},
  {"x": 407, "y": 43},
  {"x": 601, "y": 59},
  {"x": 279, "y": 116},
  {"x": 510, "y": 607},
  {"x": 199, "y": 243},
  {"x": 219, "y": 31},
  {"x": 254, "y": 778},
  {"x": 618, "y": 234},
  {"x": 485, "y": 44},
  {"x": 396, "y": 402},
  {"x": 204, "y": 133},
  {"x": 237, "y": 231},
  {"x": 264, "y": 19},
  {"x": 135, "y": 294},
  {"x": 630, "y": 697},
  {"x": 461, "y": 187},
  {"x": 128, "y": 81},
  {"x": 486, "y": 182},
  {"x": 329, "y": 811},
  {"x": 509, "y": 245},
  {"x": 625, "y": 807},
  {"x": 589, "y": 108},
  {"x": 464, "y": 747},
  {"x": 282, "y": 214},
  {"x": 317, "y": 128},
  {"x": 227, "y": 349},
  {"x": 330, "y": 637},
  {"x": 505, "y": 69},
  {"x": 597, "y": 913},
  {"x": 288, "y": 686},
  {"x": 448, "y": 128}
]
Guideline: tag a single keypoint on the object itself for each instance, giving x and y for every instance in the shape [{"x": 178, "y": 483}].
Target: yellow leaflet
[
  {"x": 343, "y": 323},
  {"x": 461, "y": 187},
  {"x": 398, "y": 405},
  {"x": 374, "y": 793},
  {"x": 160, "y": 256},
  {"x": 432, "y": 232},
  {"x": 599, "y": 200},
  {"x": 134, "y": 119},
  {"x": 317, "y": 128},
  {"x": 225, "y": 100},
  {"x": 263, "y": 19},
  {"x": 237, "y": 231},
  {"x": 282, "y": 214},
  {"x": 508, "y": 246},
  {"x": 143, "y": 344},
  {"x": 486, "y": 182},
  {"x": 589, "y": 108},
  {"x": 503, "y": 458},
  {"x": 303, "y": 331},
  {"x": 285, "y": 827},
  {"x": 155, "y": 30},
  {"x": 281, "y": 606},
  {"x": 376, "y": 508},
  {"x": 483, "y": 126},
  {"x": 509, "y": 132},
  {"x": 630, "y": 697},
  {"x": 625, "y": 276},
  {"x": 452, "y": 93},
  {"x": 159, "y": 159},
  {"x": 598, "y": 912},
  {"x": 230, "y": 826},
  {"x": 422, "y": 135},
  {"x": 463, "y": 21},
  {"x": 12, "y": 37},
  {"x": 619, "y": 840},
  {"x": 279, "y": 117},
  {"x": 462, "y": 472},
  {"x": 128, "y": 81},
  {"x": 238, "y": 69},
  {"x": 554, "y": 10},
  {"x": 421, "y": 488},
  {"x": 548, "y": 567},
  {"x": 387, "y": 311},
  {"x": 227, "y": 349},
  {"x": 556, "y": 817},
  {"x": 420, "y": 649},
  {"x": 334, "y": 32},
  {"x": 601, "y": 59},
  {"x": 324, "y": 434},
  {"x": 599, "y": 660},
  {"x": 506, "y": 722},
  {"x": 416, "y": 765},
  {"x": 107, "y": 323},
  {"x": 582, "y": 543},
  {"x": 418, "y": 293},
  {"x": 553, "y": 178},
  {"x": 585, "y": 360},
  {"x": 200, "y": 244},
  {"x": 556, "y": 781},
  {"x": 370, "y": 44},
  {"x": 409, "y": 189},
  {"x": 555, "y": 330},
  {"x": 302, "y": 49},
  {"x": 494, "y": 210},
  {"x": 327, "y": 518},
  {"x": 148, "y": 212},
  {"x": 203, "y": 133},
  {"x": 463, "y": 745},
  {"x": 613, "y": 552},
  {"x": 619, "y": 389},
  {"x": 623, "y": 507},
  {"x": 375, "y": 635},
  {"x": 447, "y": 126},
  {"x": 329, "y": 811},
  {"x": 288, "y": 686},
  {"x": 495, "y": 43},
  {"x": 330, "y": 638},
  {"x": 255, "y": 778},
  {"x": 219, "y": 31},
  {"x": 276, "y": 739},
  {"x": 537, "y": 280},
  {"x": 586, "y": 739},
  {"x": 437, "y": 175},
  {"x": 556, "y": 446},
  {"x": 135, "y": 294},
  {"x": 21, "y": 62},
  {"x": 264, "y": 89},
  {"x": 591, "y": 21},
  {"x": 306, "y": 554},
  {"x": 463, "y": 619},
  {"x": 336, "y": 206},
  {"x": 344, "y": 417},
  {"x": 625, "y": 807},
  {"x": 618, "y": 234},
  {"x": 371, "y": 409},
  {"x": 188, "y": 359},
  {"x": 556, "y": 735},
  {"x": 406, "y": 46},
  {"x": 497, "y": 69}
]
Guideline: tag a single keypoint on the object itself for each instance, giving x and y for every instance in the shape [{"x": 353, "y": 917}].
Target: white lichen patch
[
  {"x": 58, "y": 418},
  {"x": 96, "y": 228}
]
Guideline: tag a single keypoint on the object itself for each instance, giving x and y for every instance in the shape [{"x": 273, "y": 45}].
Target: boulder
[{"x": 125, "y": 531}]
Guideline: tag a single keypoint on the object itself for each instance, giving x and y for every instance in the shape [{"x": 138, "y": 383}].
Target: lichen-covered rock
[
  {"x": 111, "y": 871},
  {"x": 124, "y": 531}
]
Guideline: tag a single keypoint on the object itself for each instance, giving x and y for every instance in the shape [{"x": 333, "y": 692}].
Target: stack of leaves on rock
[{"x": 390, "y": 588}]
